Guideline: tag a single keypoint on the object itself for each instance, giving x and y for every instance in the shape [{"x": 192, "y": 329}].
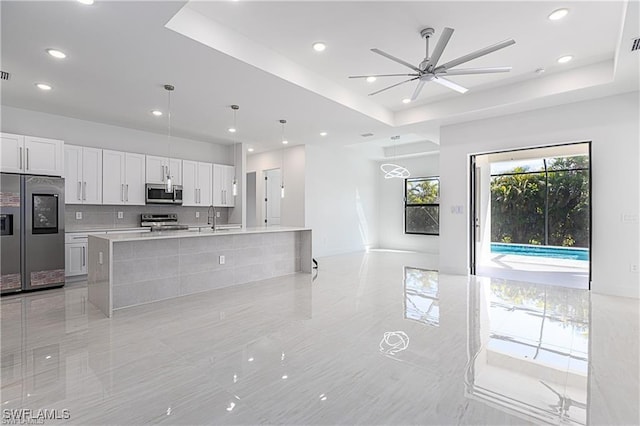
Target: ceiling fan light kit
[{"x": 428, "y": 69}]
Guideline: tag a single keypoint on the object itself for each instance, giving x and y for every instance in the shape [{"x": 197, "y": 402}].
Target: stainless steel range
[{"x": 162, "y": 222}]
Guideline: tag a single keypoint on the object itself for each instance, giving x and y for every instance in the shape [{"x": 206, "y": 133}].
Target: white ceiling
[{"x": 258, "y": 55}]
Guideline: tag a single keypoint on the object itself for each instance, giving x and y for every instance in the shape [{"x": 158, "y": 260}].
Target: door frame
[{"x": 472, "y": 200}]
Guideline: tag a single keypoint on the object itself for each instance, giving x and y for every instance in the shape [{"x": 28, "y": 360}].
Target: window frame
[{"x": 406, "y": 204}]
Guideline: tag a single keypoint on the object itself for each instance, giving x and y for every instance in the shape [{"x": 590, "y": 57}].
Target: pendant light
[
  {"x": 169, "y": 88},
  {"x": 234, "y": 189},
  {"x": 284, "y": 142},
  {"x": 392, "y": 170}
]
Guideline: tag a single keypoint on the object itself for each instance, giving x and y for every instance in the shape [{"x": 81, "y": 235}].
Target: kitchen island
[{"x": 131, "y": 269}]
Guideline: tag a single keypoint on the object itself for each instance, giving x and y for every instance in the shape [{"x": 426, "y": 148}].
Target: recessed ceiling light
[
  {"x": 43, "y": 86},
  {"x": 564, "y": 59},
  {"x": 250, "y": 150},
  {"x": 232, "y": 129},
  {"x": 87, "y": 2},
  {"x": 319, "y": 46},
  {"x": 558, "y": 14},
  {"x": 285, "y": 142},
  {"x": 371, "y": 79},
  {"x": 406, "y": 100},
  {"x": 156, "y": 112},
  {"x": 323, "y": 133},
  {"x": 56, "y": 53}
]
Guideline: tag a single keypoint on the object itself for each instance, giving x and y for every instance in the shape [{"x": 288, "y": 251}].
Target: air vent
[
  {"x": 366, "y": 135},
  {"x": 4, "y": 75},
  {"x": 636, "y": 44}
]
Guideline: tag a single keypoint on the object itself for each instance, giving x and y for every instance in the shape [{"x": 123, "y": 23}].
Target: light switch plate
[
  {"x": 78, "y": 215},
  {"x": 222, "y": 259},
  {"x": 217, "y": 214},
  {"x": 197, "y": 215},
  {"x": 120, "y": 215}
]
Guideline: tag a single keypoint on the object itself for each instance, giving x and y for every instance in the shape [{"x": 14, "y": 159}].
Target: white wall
[
  {"x": 98, "y": 135},
  {"x": 613, "y": 127},
  {"x": 341, "y": 200},
  {"x": 391, "y": 206},
  {"x": 292, "y": 209}
]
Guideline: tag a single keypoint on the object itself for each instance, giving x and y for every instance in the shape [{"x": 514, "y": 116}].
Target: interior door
[{"x": 272, "y": 199}]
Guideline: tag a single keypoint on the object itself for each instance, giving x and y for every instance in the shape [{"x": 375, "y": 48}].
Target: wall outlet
[
  {"x": 197, "y": 215},
  {"x": 120, "y": 215},
  {"x": 100, "y": 258},
  {"x": 222, "y": 260},
  {"x": 217, "y": 214},
  {"x": 78, "y": 215},
  {"x": 633, "y": 268},
  {"x": 457, "y": 209}
]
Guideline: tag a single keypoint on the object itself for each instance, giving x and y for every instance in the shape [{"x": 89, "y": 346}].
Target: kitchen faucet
[{"x": 211, "y": 217}]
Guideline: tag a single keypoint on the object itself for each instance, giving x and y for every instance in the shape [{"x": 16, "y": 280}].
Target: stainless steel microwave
[{"x": 156, "y": 193}]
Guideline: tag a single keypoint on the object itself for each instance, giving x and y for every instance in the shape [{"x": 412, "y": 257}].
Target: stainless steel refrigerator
[{"x": 31, "y": 232}]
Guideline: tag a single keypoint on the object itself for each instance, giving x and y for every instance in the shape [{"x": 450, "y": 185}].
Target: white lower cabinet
[{"x": 75, "y": 254}]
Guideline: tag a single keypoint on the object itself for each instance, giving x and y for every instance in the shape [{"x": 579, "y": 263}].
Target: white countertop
[
  {"x": 141, "y": 236},
  {"x": 90, "y": 230}
]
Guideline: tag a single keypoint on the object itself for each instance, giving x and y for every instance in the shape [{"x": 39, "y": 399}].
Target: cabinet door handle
[
  {"x": 27, "y": 158},
  {"x": 127, "y": 186},
  {"x": 79, "y": 189},
  {"x": 122, "y": 192},
  {"x": 84, "y": 191},
  {"x": 84, "y": 256},
  {"x": 162, "y": 171},
  {"x": 20, "y": 153}
]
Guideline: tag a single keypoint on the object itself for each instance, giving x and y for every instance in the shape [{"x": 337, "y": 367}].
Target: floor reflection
[
  {"x": 421, "y": 296},
  {"x": 529, "y": 350}
]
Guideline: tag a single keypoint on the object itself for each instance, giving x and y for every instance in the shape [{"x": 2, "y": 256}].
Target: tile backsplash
[{"x": 94, "y": 217}]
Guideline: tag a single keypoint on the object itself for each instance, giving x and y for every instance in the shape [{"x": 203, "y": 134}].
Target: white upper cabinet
[
  {"x": 157, "y": 169},
  {"x": 196, "y": 183},
  {"x": 44, "y": 156},
  {"x": 31, "y": 155},
  {"x": 134, "y": 178},
  {"x": 83, "y": 175},
  {"x": 205, "y": 181},
  {"x": 223, "y": 185},
  {"x": 11, "y": 153},
  {"x": 123, "y": 178}
]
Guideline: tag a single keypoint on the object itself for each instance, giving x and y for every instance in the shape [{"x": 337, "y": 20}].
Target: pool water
[{"x": 541, "y": 251}]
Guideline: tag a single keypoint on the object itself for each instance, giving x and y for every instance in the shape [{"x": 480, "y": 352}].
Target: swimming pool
[{"x": 541, "y": 251}]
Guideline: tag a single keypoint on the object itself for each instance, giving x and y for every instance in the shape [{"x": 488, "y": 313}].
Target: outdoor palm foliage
[{"x": 519, "y": 200}]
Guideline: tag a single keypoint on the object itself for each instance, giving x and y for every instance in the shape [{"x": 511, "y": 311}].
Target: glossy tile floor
[{"x": 374, "y": 338}]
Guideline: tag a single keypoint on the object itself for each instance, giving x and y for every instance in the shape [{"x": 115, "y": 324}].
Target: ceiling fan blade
[
  {"x": 468, "y": 71},
  {"x": 450, "y": 84},
  {"x": 398, "y": 60},
  {"x": 392, "y": 86},
  {"x": 383, "y": 75},
  {"x": 416, "y": 92},
  {"x": 473, "y": 55},
  {"x": 437, "y": 51}
]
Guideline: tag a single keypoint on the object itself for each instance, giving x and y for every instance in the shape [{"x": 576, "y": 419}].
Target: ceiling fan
[{"x": 429, "y": 70}]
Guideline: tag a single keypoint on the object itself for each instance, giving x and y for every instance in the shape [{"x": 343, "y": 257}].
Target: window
[{"x": 422, "y": 206}]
